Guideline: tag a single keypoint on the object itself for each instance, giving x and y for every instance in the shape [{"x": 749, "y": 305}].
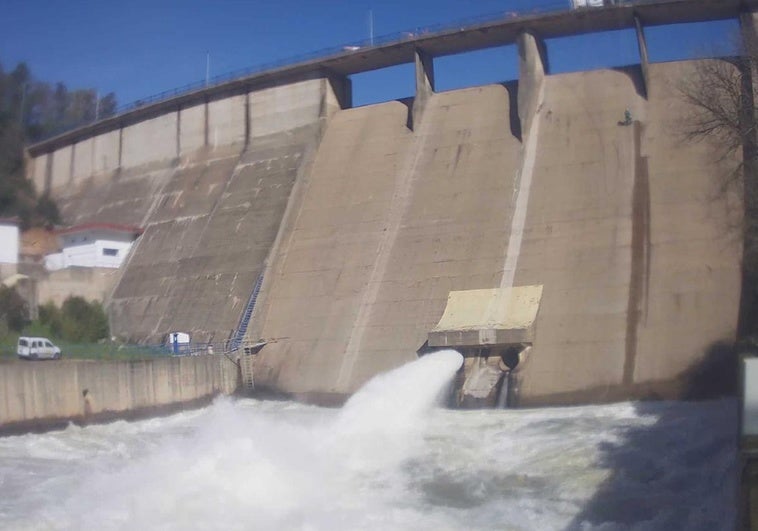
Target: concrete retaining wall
[
  {"x": 206, "y": 241},
  {"x": 62, "y": 169},
  {"x": 39, "y": 171},
  {"x": 44, "y": 395},
  {"x": 149, "y": 142},
  {"x": 229, "y": 121},
  {"x": 92, "y": 283},
  {"x": 191, "y": 128}
]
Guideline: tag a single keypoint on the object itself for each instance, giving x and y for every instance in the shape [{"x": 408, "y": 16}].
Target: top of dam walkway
[{"x": 399, "y": 48}]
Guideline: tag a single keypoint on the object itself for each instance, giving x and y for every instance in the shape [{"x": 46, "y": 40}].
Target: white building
[
  {"x": 93, "y": 245},
  {"x": 9, "y": 241}
]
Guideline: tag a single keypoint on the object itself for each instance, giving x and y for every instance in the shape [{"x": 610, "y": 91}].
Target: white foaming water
[
  {"x": 388, "y": 460},
  {"x": 396, "y": 399}
]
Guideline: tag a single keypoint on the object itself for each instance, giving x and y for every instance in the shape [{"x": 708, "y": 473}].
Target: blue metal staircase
[{"x": 239, "y": 334}]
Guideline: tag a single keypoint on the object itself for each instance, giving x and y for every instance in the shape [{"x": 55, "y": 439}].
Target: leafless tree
[{"x": 721, "y": 94}]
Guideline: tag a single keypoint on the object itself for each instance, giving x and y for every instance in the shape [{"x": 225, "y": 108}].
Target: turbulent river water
[{"x": 389, "y": 459}]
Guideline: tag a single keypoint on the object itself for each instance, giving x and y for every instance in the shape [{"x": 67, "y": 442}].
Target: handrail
[{"x": 345, "y": 49}]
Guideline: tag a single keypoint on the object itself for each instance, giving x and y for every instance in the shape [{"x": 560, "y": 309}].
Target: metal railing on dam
[
  {"x": 345, "y": 49},
  {"x": 548, "y": 20}
]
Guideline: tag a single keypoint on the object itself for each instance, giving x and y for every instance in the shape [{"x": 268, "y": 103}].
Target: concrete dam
[{"x": 577, "y": 257}]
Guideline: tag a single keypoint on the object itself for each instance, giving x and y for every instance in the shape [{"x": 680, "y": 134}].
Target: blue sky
[{"x": 136, "y": 48}]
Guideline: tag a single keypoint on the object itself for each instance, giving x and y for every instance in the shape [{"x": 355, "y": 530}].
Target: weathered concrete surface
[
  {"x": 689, "y": 292},
  {"x": 149, "y": 142},
  {"x": 192, "y": 128},
  {"x": 278, "y": 109},
  {"x": 481, "y": 317},
  {"x": 206, "y": 241},
  {"x": 424, "y": 67},
  {"x": 502, "y": 31},
  {"x": 92, "y": 283},
  {"x": 532, "y": 70},
  {"x": 392, "y": 221},
  {"x": 62, "y": 168},
  {"x": 210, "y": 195},
  {"x": 482, "y": 384},
  {"x": 39, "y": 170},
  {"x": 627, "y": 235},
  {"x": 226, "y": 121},
  {"x": 38, "y": 395},
  {"x": 621, "y": 225},
  {"x": 83, "y": 159}
]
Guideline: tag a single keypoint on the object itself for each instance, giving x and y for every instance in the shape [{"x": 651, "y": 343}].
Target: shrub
[
  {"x": 14, "y": 311},
  {"x": 76, "y": 320}
]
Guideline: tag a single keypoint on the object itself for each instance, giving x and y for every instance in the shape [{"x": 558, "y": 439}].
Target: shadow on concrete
[
  {"x": 408, "y": 102},
  {"x": 513, "y": 117},
  {"x": 634, "y": 72},
  {"x": 678, "y": 469}
]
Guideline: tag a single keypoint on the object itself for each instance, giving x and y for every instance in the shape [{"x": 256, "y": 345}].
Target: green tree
[
  {"x": 47, "y": 210},
  {"x": 29, "y": 111},
  {"x": 14, "y": 312},
  {"x": 107, "y": 105},
  {"x": 83, "y": 321},
  {"x": 76, "y": 320},
  {"x": 50, "y": 316}
]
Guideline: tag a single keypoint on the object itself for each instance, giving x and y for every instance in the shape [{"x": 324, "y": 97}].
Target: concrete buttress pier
[
  {"x": 533, "y": 67},
  {"x": 424, "y": 84}
]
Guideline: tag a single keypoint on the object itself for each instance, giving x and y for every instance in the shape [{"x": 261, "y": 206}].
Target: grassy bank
[{"x": 95, "y": 351}]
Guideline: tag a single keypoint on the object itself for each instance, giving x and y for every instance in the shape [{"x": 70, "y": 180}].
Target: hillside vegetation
[{"x": 31, "y": 110}]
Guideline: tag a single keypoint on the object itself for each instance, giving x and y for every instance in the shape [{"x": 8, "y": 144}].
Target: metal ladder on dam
[{"x": 239, "y": 334}]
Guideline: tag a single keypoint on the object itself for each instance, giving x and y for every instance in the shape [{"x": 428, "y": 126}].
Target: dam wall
[
  {"x": 90, "y": 283},
  {"x": 48, "y": 395},
  {"x": 622, "y": 225},
  {"x": 362, "y": 221},
  {"x": 571, "y": 200},
  {"x": 392, "y": 220},
  {"x": 630, "y": 238},
  {"x": 209, "y": 184}
]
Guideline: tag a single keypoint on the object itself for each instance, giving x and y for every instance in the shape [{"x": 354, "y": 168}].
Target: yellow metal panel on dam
[{"x": 495, "y": 316}]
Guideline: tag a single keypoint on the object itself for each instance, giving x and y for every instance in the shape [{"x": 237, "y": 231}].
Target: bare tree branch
[{"x": 721, "y": 97}]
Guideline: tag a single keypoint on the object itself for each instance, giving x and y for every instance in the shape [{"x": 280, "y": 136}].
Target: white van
[{"x": 32, "y": 348}]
